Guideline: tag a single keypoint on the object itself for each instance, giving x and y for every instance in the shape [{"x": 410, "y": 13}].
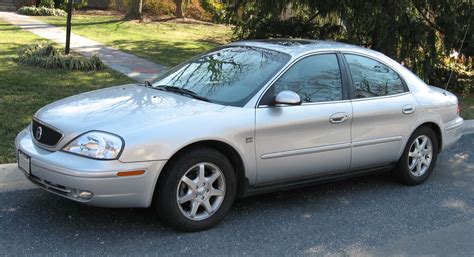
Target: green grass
[
  {"x": 167, "y": 43},
  {"x": 466, "y": 102},
  {"x": 23, "y": 89}
]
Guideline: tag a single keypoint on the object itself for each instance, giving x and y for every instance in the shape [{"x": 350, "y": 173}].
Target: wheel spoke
[
  {"x": 188, "y": 182},
  {"x": 413, "y": 164},
  {"x": 423, "y": 143},
  {"x": 186, "y": 198},
  {"x": 412, "y": 154},
  {"x": 213, "y": 178},
  {"x": 216, "y": 192},
  {"x": 418, "y": 166},
  {"x": 417, "y": 144},
  {"x": 207, "y": 206},
  {"x": 202, "y": 171},
  {"x": 194, "y": 208}
]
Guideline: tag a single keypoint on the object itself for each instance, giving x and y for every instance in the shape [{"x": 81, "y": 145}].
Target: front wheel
[
  {"x": 419, "y": 157},
  {"x": 196, "y": 190}
]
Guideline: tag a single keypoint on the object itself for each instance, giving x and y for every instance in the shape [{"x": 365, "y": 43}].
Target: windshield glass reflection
[{"x": 229, "y": 76}]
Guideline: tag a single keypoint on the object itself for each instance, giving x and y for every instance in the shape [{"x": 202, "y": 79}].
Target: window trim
[
  {"x": 342, "y": 70},
  {"x": 351, "y": 82}
]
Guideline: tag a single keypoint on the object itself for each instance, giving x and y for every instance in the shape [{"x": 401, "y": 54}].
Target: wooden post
[{"x": 68, "y": 26}]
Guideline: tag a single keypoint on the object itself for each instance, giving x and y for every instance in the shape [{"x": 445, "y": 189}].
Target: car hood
[{"x": 120, "y": 110}]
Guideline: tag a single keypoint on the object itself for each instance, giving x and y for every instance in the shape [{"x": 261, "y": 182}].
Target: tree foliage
[{"x": 418, "y": 33}]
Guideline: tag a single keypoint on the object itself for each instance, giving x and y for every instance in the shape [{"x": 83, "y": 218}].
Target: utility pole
[{"x": 68, "y": 26}]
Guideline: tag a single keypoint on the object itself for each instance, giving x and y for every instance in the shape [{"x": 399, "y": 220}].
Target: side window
[
  {"x": 316, "y": 79},
  {"x": 372, "y": 78}
]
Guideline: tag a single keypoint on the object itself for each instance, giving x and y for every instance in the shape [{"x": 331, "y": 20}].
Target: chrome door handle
[
  {"x": 339, "y": 117},
  {"x": 408, "y": 109}
]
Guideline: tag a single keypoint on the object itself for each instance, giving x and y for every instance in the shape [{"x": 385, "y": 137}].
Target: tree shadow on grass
[{"x": 163, "y": 52}]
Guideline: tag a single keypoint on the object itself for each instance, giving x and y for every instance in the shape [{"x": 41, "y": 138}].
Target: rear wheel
[
  {"x": 419, "y": 157},
  {"x": 196, "y": 190}
]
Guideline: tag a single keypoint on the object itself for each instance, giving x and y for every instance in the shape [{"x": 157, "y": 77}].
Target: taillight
[{"x": 458, "y": 109}]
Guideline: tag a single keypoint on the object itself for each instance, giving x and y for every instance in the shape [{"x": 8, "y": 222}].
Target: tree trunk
[
  {"x": 179, "y": 9},
  {"x": 134, "y": 10}
]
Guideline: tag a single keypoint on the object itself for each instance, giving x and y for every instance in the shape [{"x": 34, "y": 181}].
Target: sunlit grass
[
  {"x": 167, "y": 43},
  {"x": 23, "y": 89}
]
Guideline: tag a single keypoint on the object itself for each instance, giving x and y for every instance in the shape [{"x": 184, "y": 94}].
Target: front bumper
[{"x": 66, "y": 174}]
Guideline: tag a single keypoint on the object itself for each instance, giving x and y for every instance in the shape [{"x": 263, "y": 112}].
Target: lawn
[
  {"x": 168, "y": 43},
  {"x": 23, "y": 90},
  {"x": 466, "y": 102}
]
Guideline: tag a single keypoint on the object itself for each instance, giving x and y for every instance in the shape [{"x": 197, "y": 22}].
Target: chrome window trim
[
  {"x": 305, "y": 104},
  {"x": 380, "y": 97}
]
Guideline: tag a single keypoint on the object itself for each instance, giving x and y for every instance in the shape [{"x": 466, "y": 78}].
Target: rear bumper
[
  {"x": 66, "y": 175},
  {"x": 452, "y": 131}
]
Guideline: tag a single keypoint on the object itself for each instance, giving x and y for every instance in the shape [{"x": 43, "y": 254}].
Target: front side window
[
  {"x": 372, "y": 78},
  {"x": 228, "y": 76},
  {"x": 315, "y": 78}
]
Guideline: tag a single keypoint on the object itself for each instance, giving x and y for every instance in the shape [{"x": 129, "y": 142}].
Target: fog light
[{"x": 84, "y": 194}]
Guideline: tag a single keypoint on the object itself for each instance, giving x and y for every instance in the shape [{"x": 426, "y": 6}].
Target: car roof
[{"x": 297, "y": 47}]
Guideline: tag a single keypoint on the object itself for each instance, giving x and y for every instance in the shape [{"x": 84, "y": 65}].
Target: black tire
[
  {"x": 165, "y": 197},
  {"x": 402, "y": 171}
]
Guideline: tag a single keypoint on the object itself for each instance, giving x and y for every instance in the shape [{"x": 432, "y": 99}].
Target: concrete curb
[{"x": 12, "y": 179}]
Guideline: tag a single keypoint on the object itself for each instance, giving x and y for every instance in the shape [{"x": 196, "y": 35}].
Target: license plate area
[{"x": 24, "y": 162}]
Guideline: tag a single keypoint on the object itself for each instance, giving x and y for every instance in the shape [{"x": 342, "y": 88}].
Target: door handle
[
  {"x": 408, "y": 109},
  {"x": 339, "y": 117}
]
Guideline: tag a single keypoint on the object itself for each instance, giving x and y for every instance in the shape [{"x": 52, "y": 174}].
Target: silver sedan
[{"x": 248, "y": 117}]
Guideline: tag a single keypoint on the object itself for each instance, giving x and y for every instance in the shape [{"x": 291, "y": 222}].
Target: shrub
[
  {"x": 47, "y": 56},
  {"x": 159, "y": 7},
  {"x": 216, "y": 9},
  {"x": 77, "y": 4},
  {"x": 40, "y": 11},
  {"x": 47, "y": 3},
  {"x": 193, "y": 9}
]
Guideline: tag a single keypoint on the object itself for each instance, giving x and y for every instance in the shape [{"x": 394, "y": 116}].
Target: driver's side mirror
[{"x": 287, "y": 97}]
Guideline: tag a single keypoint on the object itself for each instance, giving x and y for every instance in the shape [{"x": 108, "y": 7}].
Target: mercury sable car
[{"x": 245, "y": 118}]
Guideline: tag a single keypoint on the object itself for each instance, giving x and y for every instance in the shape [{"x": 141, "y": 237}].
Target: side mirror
[{"x": 287, "y": 97}]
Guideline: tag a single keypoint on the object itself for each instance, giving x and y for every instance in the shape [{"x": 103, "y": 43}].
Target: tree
[
  {"x": 418, "y": 33},
  {"x": 179, "y": 9},
  {"x": 135, "y": 10}
]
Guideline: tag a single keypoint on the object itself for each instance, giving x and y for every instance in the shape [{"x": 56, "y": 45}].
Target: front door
[{"x": 314, "y": 138}]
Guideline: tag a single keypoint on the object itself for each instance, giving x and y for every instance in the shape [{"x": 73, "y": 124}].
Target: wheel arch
[
  {"x": 229, "y": 151},
  {"x": 436, "y": 129}
]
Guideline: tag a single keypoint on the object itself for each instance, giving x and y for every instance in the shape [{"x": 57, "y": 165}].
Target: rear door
[
  {"x": 297, "y": 142},
  {"x": 383, "y": 111}
]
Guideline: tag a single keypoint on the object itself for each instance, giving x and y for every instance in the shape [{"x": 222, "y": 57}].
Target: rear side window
[
  {"x": 315, "y": 78},
  {"x": 371, "y": 78}
]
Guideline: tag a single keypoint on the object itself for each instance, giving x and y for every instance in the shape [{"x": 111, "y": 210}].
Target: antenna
[{"x": 460, "y": 49}]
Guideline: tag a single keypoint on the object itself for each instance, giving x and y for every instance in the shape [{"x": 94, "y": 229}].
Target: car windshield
[{"x": 228, "y": 76}]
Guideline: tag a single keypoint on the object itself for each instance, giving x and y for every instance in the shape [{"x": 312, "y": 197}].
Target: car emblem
[{"x": 39, "y": 133}]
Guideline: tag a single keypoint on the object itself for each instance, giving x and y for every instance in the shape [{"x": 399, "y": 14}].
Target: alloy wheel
[
  {"x": 200, "y": 191},
  {"x": 420, "y": 155}
]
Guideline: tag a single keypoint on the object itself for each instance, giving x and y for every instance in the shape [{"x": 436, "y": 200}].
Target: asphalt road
[{"x": 365, "y": 216}]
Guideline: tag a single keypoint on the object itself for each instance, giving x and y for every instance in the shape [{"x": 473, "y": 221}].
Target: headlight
[{"x": 95, "y": 144}]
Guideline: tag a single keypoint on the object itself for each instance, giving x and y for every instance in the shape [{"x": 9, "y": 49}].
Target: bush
[
  {"x": 47, "y": 3},
  {"x": 47, "y": 56},
  {"x": 193, "y": 9},
  {"x": 216, "y": 9},
  {"x": 159, "y": 7},
  {"x": 77, "y": 4},
  {"x": 40, "y": 11}
]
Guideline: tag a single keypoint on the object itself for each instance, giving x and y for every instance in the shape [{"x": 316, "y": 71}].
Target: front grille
[{"x": 44, "y": 134}]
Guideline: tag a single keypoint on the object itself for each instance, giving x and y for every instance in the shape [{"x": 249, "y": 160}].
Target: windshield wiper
[{"x": 181, "y": 91}]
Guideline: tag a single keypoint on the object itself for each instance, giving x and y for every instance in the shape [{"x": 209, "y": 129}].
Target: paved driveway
[{"x": 366, "y": 216}]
